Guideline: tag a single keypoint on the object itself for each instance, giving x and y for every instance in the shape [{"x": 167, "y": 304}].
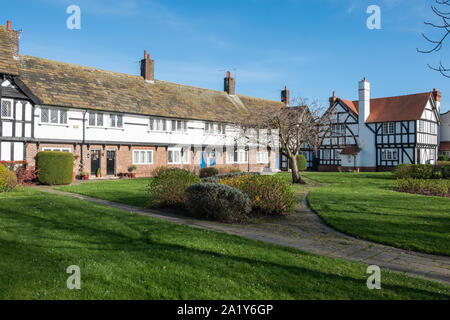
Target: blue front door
[
  {"x": 203, "y": 161},
  {"x": 212, "y": 159}
]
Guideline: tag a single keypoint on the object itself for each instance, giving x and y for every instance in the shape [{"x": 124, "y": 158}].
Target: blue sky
[{"x": 313, "y": 47}]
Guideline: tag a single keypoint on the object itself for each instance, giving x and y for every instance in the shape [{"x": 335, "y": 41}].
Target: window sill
[
  {"x": 143, "y": 164},
  {"x": 54, "y": 124},
  {"x": 105, "y": 128},
  {"x": 177, "y": 163}
]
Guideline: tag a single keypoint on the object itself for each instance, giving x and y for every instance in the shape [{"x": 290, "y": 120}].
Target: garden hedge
[{"x": 55, "y": 167}]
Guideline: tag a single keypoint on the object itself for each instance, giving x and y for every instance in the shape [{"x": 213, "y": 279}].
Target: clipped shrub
[
  {"x": 163, "y": 169},
  {"x": 208, "y": 172},
  {"x": 302, "y": 164},
  {"x": 443, "y": 158},
  {"x": 422, "y": 171},
  {"x": 270, "y": 195},
  {"x": 167, "y": 188},
  {"x": 422, "y": 186},
  {"x": 403, "y": 171},
  {"x": 218, "y": 202},
  {"x": 55, "y": 167}
]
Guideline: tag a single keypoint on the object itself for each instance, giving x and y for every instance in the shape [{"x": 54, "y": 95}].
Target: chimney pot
[
  {"x": 145, "y": 54},
  {"x": 8, "y": 25}
]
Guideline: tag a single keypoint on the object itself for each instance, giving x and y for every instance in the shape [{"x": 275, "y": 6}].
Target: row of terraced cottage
[{"x": 111, "y": 121}]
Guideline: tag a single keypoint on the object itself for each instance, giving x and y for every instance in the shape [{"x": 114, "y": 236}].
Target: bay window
[{"x": 178, "y": 156}]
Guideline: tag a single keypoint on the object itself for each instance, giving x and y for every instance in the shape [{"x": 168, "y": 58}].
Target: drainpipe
[{"x": 84, "y": 139}]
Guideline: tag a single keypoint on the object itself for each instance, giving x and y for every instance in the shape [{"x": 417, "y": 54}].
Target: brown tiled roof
[
  {"x": 399, "y": 108},
  {"x": 69, "y": 85},
  {"x": 350, "y": 150},
  {"x": 444, "y": 146},
  {"x": 7, "y": 63}
]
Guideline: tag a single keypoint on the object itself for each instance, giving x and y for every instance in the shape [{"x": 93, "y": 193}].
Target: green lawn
[
  {"x": 132, "y": 192},
  {"x": 126, "y": 256},
  {"x": 364, "y": 205}
]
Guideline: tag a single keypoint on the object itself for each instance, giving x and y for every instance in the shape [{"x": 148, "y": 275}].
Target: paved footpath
[{"x": 306, "y": 231}]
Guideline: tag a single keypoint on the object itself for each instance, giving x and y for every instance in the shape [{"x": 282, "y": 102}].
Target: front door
[
  {"x": 95, "y": 161},
  {"x": 203, "y": 160},
  {"x": 110, "y": 162}
]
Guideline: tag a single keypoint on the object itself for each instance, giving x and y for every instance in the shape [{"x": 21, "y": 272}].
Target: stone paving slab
[{"x": 306, "y": 231}]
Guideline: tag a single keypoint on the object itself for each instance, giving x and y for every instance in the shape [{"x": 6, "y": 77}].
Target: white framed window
[
  {"x": 53, "y": 116},
  {"x": 96, "y": 119},
  {"x": 433, "y": 128},
  {"x": 421, "y": 126},
  {"x": 338, "y": 130},
  {"x": 262, "y": 157},
  {"x": 237, "y": 156},
  {"x": 218, "y": 128},
  {"x": 178, "y": 126},
  {"x": 7, "y": 108},
  {"x": 157, "y": 124},
  {"x": 389, "y": 154},
  {"x": 115, "y": 121},
  {"x": 326, "y": 154},
  {"x": 57, "y": 149},
  {"x": 178, "y": 156},
  {"x": 142, "y": 157},
  {"x": 389, "y": 128}
]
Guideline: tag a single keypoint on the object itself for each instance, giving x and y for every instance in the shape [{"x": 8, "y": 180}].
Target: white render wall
[
  {"x": 444, "y": 134},
  {"x": 135, "y": 130}
]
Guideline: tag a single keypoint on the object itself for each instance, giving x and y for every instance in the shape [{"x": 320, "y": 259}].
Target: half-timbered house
[
  {"x": 111, "y": 121},
  {"x": 378, "y": 134}
]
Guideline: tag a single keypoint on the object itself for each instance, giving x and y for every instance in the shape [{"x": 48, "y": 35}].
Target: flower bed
[{"x": 438, "y": 187}]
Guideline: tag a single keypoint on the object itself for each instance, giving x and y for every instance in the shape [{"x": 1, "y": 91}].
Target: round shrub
[
  {"x": 55, "y": 167},
  {"x": 270, "y": 195},
  {"x": 302, "y": 164},
  {"x": 167, "y": 189},
  {"x": 208, "y": 172},
  {"x": 218, "y": 202}
]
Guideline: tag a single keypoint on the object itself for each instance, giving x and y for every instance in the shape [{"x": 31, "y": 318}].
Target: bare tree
[
  {"x": 444, "y": 27},
  {"x": 295, "y": 127}
]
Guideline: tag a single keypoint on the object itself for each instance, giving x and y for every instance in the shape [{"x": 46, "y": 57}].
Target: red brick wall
[{"x": 124, "y": 158}]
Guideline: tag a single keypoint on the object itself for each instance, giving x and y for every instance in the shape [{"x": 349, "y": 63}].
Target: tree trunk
[{"x": 296, "y": 178}]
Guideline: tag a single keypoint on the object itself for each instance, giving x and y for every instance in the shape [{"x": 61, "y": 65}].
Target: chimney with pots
[
  {"x": 333, "y": 99},
  {"x": 148, "y": 68},
  {"x": 285, "y": 96},
  {"x": 230, "y": 84},
  {"x": 14, "y": 36},
  {"x": 437, "y": 98},
  {"x": 364, "y": 101}
]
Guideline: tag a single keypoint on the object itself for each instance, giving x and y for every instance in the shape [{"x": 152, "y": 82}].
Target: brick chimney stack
[
  {"x": 230, "y": 84},
  {"x": 285, "y": 96},
  {"x": 148, "y": 68},
  {"x": 14, "y": 36},
  {"x": 333, "y": 99}
]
